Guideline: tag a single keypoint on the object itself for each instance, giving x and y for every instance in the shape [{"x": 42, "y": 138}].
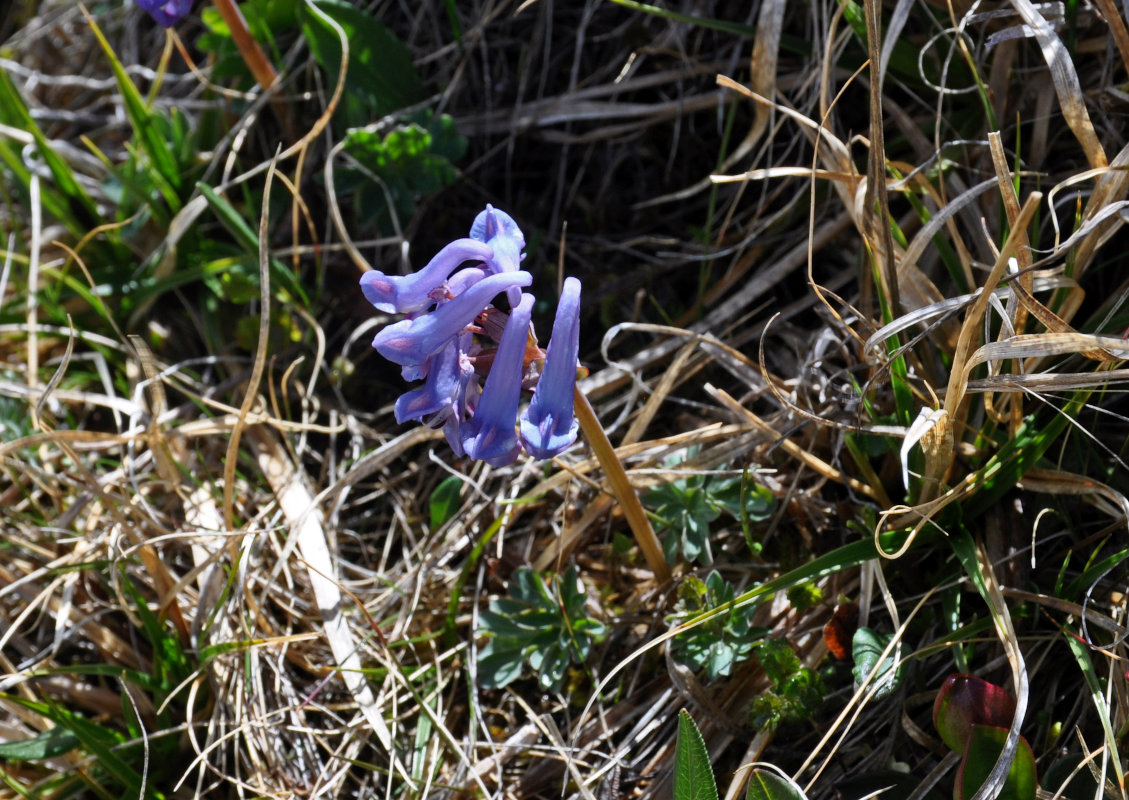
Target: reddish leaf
[
  {"x": 840, "y": 629},
  {"x": 964, "y": 701}
]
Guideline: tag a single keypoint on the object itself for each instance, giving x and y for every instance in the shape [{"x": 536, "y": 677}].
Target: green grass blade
[
  {"x": 145, "y": 125},
  {"x": 100, "y": 742},
  {"x": 1094, "y": 685},
  {"x": 249, "y": 240},
  {"x": 66, "y": 201}
]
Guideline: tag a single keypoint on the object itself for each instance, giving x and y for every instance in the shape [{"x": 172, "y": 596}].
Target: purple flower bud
[
  {"x": 405, "y": 294},
  {"x": 498, "y": 229},
  {"x": 166, "y": 12},
  {"x": 548, "y": 426},
  {"x": 489, "y": 435},
  {"x": 411, "y": 342}
]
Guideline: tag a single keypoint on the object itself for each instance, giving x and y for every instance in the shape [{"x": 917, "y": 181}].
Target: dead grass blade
[{"x": 1065, "y": 78}]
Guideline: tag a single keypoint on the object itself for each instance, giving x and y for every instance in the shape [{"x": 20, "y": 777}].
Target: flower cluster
[
  {"x": 166, "y": 12},
  {"x": 452, "y": 337}
]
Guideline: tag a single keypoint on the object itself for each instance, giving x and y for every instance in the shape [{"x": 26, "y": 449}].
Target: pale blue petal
[
  {"x": 411, "y": 342},
  {"x": 489, "y": 435},
  {"x": 404, "y": 294},
  {"x": 548, "y": 426}
]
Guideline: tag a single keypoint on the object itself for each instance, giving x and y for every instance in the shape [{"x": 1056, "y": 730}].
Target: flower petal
[
  {"x": 166, "y": 12},
  {"x": 498, "y": 229},
  {"x": 548, "y": 426},
  {"x": 489, "y": 435},
  {"x": 404, "y": 294},
  {"x": 411, "y": 342},
  {"x": 443, "y": 394}
]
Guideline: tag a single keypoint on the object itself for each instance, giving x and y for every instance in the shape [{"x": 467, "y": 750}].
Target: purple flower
[
  {"x": 449, "y": 318},
  {"x": 405, "y": 294},
  {"x": 498, "y": 229},
  {"x": 489, "y": 435},
  {"x": 166, "y": 12},
  {"x": 548, "y": 426},
  {"x": 411, "y": 342}
]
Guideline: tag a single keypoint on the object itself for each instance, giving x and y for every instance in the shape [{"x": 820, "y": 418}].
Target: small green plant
[
  {"x": 548, "y": 627},
  {"x": 685, "y": 509},
  {"x": 722, "y": 641},
  {"x": 796, "y": 692},
  {"x": 392, "y": 171}
]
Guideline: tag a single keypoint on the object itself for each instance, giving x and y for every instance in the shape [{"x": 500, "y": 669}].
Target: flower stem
[
  {"x": 621, "y": 487},
  {"x": 257, "y": 62}
]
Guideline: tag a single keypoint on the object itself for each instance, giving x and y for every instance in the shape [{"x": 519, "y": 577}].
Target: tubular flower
[
  {"x": 446, "y": 340},
  {"x": 404, "y": 294},
  {"x": 411, "y": 342},
  {"x": 489, "y": 436},
  {"x": 548, "y": 426},
  {"x": 498, "y": 229},
  {"x": 166, "y": 12}
]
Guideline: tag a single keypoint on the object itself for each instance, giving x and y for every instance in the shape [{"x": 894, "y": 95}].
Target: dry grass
[{"x": 223, "y": 557}]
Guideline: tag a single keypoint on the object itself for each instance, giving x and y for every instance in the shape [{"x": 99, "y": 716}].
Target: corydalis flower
[
  {"x": 404, "y": 294},
  {"x": 166, "y": 12},
  {"x": 548, "y": 425},
  {"x": 411, "y": 342},
  {"x": 490, "y": 435},
  {"x": 449, "y": 308},
  {"x": 498, "y": 230}
]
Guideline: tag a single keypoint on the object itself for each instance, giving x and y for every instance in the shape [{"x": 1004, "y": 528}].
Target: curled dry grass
[{"x": 227, "y": 562}]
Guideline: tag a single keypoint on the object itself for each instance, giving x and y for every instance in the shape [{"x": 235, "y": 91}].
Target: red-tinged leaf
[
  {"x": 840, "y": 629},
  {"x": 964, "y": 701}
]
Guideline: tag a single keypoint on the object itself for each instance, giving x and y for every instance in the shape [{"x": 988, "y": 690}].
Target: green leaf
[
  {"x": 50, "y": 743},
  {"x": 985, "y": 743},
  {"x": 444, "y": 501},
  {"x": 1064, "y": 779},
  {"x": 548, "y": 628},
  {"x": 381, "y": 77},
  {"x": 765, "y": 784},
  {"x": 693, "y": 773},
  {"x": 281, "y": 276},
  {"x": 497, "y": 666},
  {"x": 409, "y": 162},
  {"x": 866, "y": 650}
]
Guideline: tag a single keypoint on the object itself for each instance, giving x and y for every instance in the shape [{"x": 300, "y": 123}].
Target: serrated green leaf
[
  {"x": 764, "y": 784},
  {"x": 693, "y": 773}
]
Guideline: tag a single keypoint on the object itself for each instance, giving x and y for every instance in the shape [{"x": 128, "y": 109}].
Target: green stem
[{"x": 621, "y": 487}]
